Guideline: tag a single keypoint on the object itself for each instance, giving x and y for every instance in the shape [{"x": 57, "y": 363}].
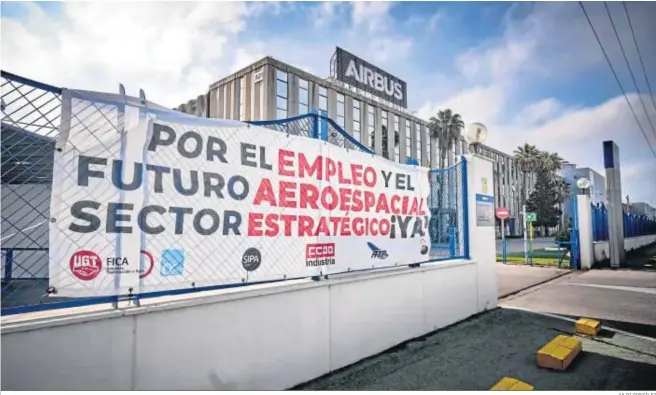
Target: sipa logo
[
  {"x": 85, "y": 265},
  {"x": 251, "y": 259},
  {"x": 377, "y": 252}
]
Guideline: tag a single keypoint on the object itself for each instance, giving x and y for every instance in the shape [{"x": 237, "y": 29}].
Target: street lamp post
[
  {"x": 583, "y": 184},
  {"x": 475, "y": 134}
]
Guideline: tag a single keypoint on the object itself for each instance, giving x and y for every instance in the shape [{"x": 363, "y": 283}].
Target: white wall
[
  {"x": 601, "y": 247},
  {"x": 272, "y": 337},
  {"x": 597, "y": 251}
]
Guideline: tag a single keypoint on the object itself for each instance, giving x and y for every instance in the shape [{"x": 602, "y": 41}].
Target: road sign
[
  {"x": 531, "y": 217},
  {"x": 503, "y": 213}
]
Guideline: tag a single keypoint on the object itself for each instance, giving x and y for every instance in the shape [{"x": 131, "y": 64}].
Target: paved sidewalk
[
  {"x": 475, "y": 354},
  {"x": 514, "y": 278}
]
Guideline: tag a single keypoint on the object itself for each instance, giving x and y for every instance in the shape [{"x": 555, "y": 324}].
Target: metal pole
[
  {"x": 525, "y": 234},
  {"x": 503, "y": 241},
  {"x": 530, "y": 227}
]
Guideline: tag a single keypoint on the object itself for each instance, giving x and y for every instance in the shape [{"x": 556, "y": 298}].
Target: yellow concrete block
[
  {"x": 511, "y": 384},
  {"x": 521, "y": 386},
  {"x": 586, "y": 326},
  {"x": 559, "y": 353}
]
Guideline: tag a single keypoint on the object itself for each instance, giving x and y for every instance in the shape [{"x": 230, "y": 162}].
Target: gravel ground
[{"x": 475, "y": 354}]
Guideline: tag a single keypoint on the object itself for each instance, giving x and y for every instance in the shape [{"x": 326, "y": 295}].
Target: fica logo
[{"x": 377, "y": 252}]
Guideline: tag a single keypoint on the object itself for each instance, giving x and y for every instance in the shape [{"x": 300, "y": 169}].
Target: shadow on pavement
[
  {"x": 639, "y": 259},
  {"x": 478, "y": 352}
]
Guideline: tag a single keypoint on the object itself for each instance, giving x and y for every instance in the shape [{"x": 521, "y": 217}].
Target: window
[
  {"x": 323, "y": 98},
  {"x": 397, "y": 147},
  {"x": 428, "y": 147},
  {"x": 408, "y": 150},
  {"x": 357, "y": 134},
  {"x": 371, "y": 125},
  {"x": 340, "y": 110},
  {"x": 281, "y": 94},
  {"x": 383, "y": 115},
  {"x": 418, "y": 141},
  {"x": 303, "y": 97},
  {"x": 242, "y": 99}
]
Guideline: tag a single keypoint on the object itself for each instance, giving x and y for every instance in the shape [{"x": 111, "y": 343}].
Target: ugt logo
[{"x": 377, "y": 252}]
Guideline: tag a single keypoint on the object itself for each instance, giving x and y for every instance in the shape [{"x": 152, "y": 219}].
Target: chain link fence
[
  {"x": 31, "y": 117},
  {"x": 448, "y": 212}
]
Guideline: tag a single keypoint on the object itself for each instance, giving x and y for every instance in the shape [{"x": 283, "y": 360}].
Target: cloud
[
  {"x": 536, "y": 49},
  {"x": 538, "y": 112},
  {"x": 324, "y": 13},
  {"x": 477, "y": 104},
  {"x": 388, "y": 48},
  {"x": 171, "y": 50},
  {"x": 374, "y": 16}
]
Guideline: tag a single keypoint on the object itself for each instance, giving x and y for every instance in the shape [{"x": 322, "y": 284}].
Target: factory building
[{"x": 360, "y": 98}]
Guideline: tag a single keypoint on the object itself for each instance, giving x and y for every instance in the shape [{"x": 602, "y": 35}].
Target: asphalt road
[
  {"x": 475, "y": 354},
  {"x": 514, "y": 278},
  {"x": 625, "y": 299}
]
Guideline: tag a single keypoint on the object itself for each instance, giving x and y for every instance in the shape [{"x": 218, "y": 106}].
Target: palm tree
[
  {"x": 397, "y": 139},
  {"x": 527, "y": 158},
  {"x": 446, "y": 128},
  {"x": 550, "y": 163}
]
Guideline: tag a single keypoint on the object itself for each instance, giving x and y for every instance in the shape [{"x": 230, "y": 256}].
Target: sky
[{"x": 531, "y": 72}]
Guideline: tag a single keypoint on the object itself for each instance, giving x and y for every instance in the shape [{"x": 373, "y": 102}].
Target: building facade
[
  {"x": 642, "y": 208},
  {"x": 270, "y": 89},
  {"x": 597, "y": 191}
]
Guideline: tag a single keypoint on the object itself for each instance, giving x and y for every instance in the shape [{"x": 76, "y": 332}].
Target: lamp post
[
  {"x": 583, "y": 184},
  {"x": 475, "y": 134}
]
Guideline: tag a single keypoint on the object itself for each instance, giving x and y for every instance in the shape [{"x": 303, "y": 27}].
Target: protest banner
[{"x": 149, "y": 199}]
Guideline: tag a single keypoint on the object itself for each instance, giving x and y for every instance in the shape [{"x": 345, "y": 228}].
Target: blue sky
[{"x": 532, "y": 72}]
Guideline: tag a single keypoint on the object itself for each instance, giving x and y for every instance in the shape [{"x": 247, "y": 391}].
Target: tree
[
  {"x": 563, "y": 192},
  {"x": 550, "y": 162},
  {"x": 527, "y": 159},
  {"x": 397, "y": 139},
  {"x": 544, "y": 201},
  {"x": 446, "y": 128}
]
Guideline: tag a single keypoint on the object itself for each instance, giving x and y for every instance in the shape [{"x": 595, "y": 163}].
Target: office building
[
  {"x": 642, "y": 208},
  {"x": 360, "y": 98}
]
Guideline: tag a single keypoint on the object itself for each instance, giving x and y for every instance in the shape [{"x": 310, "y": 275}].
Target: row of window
[{"x": 282, "y": 98}]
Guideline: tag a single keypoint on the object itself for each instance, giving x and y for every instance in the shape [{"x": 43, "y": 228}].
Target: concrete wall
[
  {"x": 597, "y": 251},
  {"x": 601, "y": 247},
  {"x": 270, "y": 337}
]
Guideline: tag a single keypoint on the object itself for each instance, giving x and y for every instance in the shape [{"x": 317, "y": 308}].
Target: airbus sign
[{"x": 362, "y": 75}]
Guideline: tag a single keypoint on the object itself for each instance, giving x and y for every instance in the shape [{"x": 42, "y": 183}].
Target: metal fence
[
  {"x": 315, "y": 125},
  {"x": 31, "y": 114},
  {"x": 447, "y": 226},
  {"x": 634, "y": 225}
]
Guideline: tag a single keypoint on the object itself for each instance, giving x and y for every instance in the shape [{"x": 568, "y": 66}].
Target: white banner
[{"x": 147, "y": 199}]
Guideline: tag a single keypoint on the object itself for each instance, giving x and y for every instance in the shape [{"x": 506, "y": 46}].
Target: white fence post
[
  {"x": 586, "y": 246},
  {"x": 482, "y": 244}
]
